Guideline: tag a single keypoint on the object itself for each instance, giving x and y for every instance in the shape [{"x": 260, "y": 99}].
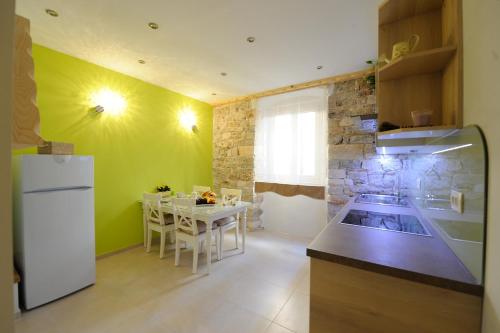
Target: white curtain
[{"x": 291, "y": 138}]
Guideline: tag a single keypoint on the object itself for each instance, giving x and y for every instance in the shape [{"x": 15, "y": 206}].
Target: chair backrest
[
  {"x": 151, "y": 203},
  {"x": 231, "y": 192},
  {"x": 200, "y": 189},
  {"x": 183, "y": 215},
  {"x": 227, "y": 193}
]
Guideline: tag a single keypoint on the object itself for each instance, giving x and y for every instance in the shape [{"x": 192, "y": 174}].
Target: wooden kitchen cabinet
[{"x": 347, "y": 299}]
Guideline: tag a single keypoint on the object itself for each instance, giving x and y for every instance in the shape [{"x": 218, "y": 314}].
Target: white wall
[
  {"x": 482, "y": 107},
  {"x": 297, "y": 216},
  {"x": 6, "y": 33}
]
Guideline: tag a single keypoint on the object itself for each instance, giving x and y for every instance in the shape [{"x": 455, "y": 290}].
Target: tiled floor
[{"x": 264, "y": 290}]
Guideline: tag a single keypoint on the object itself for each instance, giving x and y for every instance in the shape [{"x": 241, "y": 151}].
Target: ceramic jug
[{"x": 402, "y": 48}]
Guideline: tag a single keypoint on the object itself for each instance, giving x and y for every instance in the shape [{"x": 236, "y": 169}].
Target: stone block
[
  {"x": 333, "y": 164},
  {"x": 358, "y": 177},
  {"x": 350, "y": 164},
  {"x": 336, "y": 182},
  {"x": 336, "y": 173},
  {"x": 389, "y": 164},
  {"x": 245, "y": 150},
  {"x": 346, "y": 121},
  {"x": 335, "y": 189},
  {"x": 362, "y": 139},
  {"x": 374, "y": 165},
  {"x": 337, "y": 199},
  {"x": 334, "y": 139},
  {"x": 348, "y": 182},
  {"x": 368, "y": 125},
  {"x": 369, "y": 151},
  {"x": 347, "y": 151}
]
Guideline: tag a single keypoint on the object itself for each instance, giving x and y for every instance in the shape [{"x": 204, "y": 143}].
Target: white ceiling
[{"x": 199, "y": 39}]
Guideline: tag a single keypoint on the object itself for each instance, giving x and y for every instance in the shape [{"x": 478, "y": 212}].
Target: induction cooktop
[{"x": 391, "y": 222}]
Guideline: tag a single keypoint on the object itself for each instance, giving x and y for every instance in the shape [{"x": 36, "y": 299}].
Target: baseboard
[{"x": 125, "y": 249}]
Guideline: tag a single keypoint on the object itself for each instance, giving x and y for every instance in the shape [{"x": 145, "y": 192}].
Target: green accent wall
[{"x": 135, "y": 151}]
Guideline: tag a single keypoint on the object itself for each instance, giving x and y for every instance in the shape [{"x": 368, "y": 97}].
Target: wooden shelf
[
  {"x": 424, "y": 62},
  {"x": 395, "y": 10}
]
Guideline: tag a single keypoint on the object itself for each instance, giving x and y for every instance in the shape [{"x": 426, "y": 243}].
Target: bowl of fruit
[{"x": 207, "y": 198}]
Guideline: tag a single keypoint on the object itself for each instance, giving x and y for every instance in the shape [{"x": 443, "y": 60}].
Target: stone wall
[
  {"x": 233, "y": 151},
  {"x": 353, "y": 166},
  {"x": 233, "y": 147}
]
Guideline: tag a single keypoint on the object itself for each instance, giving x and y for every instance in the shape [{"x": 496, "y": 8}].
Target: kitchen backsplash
[
  {"x": 458, "y": 164},
  {"x": 354, "y": 167}
]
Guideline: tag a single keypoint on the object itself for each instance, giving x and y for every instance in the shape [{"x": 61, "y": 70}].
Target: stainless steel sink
[{"x": 383, "y": 199}]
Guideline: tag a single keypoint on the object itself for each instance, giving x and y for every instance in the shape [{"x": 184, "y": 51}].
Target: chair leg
[
  {"x": 177, "y": 251},
  {"x": 236, "y": 234},
  {"x": 221, "y": 243},
  {"x": 172, "y": 237},
  {"x": 202, "y": 246},
  {"x": 162, "y": 243},
  {"x": 217, "y": 245},
  {"x": 195, "y": 256},
  {"x": 150, "y": 235}
]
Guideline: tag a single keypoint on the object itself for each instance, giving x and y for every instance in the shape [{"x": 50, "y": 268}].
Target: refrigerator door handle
[{"x": 79, "y": 188}]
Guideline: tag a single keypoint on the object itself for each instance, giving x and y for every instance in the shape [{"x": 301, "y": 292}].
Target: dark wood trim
[{"x": 315, "y": 192}]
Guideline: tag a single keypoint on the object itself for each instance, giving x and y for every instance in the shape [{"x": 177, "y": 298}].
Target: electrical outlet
[
  {"x": 457, "y": 201},
  {"x": 419, "y": 183}
]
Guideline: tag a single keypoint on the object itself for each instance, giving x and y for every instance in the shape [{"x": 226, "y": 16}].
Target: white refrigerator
[{"x": 53, "y": 225}]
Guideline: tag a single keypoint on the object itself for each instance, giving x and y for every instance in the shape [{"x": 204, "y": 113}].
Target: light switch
[{"x": 457, "y": 201}]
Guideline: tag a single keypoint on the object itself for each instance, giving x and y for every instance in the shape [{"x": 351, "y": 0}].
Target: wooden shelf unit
[
  {"x": 391, "y": 11},
  {"x": 431, "y": 77},
  {"x": 423, "y": 62}
]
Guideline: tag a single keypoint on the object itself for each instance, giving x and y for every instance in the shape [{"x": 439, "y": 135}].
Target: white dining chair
[
  {"x": 191, "y": 231},
  {"x": 231, "y": 222},
  {"x": 200, "y": 189},
  {"x": 156, "y": 220}
]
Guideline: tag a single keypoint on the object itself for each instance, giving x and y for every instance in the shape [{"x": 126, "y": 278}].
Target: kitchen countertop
[{"x": 422, "y": 259}]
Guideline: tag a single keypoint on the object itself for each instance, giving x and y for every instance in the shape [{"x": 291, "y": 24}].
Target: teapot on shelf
[{"x": 405, "y": 47}]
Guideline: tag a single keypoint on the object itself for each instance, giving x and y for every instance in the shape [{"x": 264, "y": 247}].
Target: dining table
[{"x": 208, "y": 214}]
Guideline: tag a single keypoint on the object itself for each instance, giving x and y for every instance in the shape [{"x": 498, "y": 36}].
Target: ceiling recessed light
[
  {"x": 52, "y": 12},
  {"x": 153, "y": 25},
  {"x": 251, "y": 39},
  {"x": 319, "y": 67},
  {"x": 142, "y": 62},
  {"x": 223, "y": 73}
]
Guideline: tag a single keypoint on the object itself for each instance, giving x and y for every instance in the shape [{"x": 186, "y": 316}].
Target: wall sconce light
[
  {"x": 108, "y": 101},
  {"x": 188, "y": 120}
]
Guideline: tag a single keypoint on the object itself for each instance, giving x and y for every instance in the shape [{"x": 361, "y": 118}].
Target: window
[{"x": 291, "y": 138}]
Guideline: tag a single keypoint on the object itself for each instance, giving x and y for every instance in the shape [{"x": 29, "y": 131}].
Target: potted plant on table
[{"x": 164, "y": 190}]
